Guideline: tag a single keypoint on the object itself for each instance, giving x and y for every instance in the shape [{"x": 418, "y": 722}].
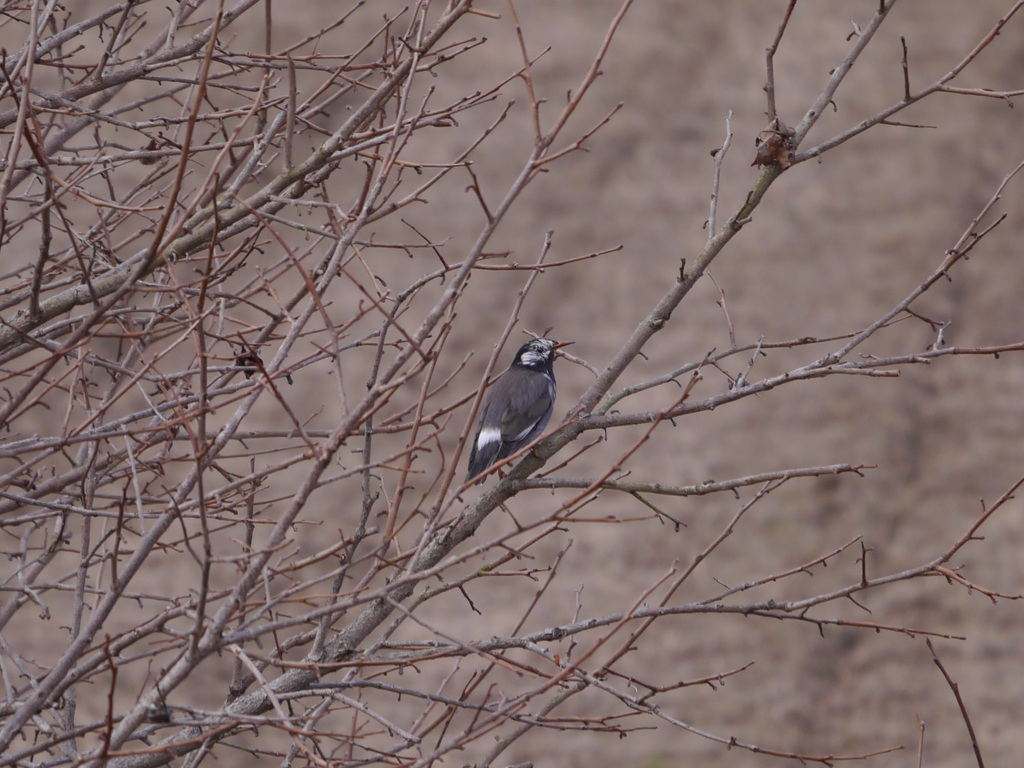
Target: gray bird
[{"x": 517, "y": 407}]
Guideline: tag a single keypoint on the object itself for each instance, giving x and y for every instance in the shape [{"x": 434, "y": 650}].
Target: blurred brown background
[{"x": 835, "y": 244}]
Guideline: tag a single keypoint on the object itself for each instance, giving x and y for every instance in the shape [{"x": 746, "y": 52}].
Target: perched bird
[{"x": 517, "y": 407}]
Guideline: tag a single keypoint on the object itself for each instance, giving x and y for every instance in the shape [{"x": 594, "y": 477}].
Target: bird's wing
[
  {"x": 483, "y": 452},
  {"x": 528, "y": 410},
  {"x": 524, "y": 417}
]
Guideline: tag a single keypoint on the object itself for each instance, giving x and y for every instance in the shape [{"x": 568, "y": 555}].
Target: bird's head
[{"x": 538, "y": 354}]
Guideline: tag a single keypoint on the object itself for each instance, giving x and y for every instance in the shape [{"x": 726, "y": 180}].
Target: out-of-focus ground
[{"x": 834, "y": 245}]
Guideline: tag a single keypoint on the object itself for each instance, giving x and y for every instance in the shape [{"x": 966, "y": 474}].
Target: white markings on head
[
  {"x": 487, "y": 436},
  {"x": 537, "y": 351}
]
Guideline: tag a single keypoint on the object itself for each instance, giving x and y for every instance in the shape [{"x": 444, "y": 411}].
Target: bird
[{"x": 517, "y": 407}]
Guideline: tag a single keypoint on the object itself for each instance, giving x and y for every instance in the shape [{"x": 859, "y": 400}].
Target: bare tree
[{"x": 231, "y": 481}]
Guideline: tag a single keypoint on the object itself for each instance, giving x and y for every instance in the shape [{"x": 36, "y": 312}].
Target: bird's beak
[{"x": 560, "y": 344}]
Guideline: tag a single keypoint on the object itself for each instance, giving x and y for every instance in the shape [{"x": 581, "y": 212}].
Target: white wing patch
[{"x": 487, "y": 436}]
